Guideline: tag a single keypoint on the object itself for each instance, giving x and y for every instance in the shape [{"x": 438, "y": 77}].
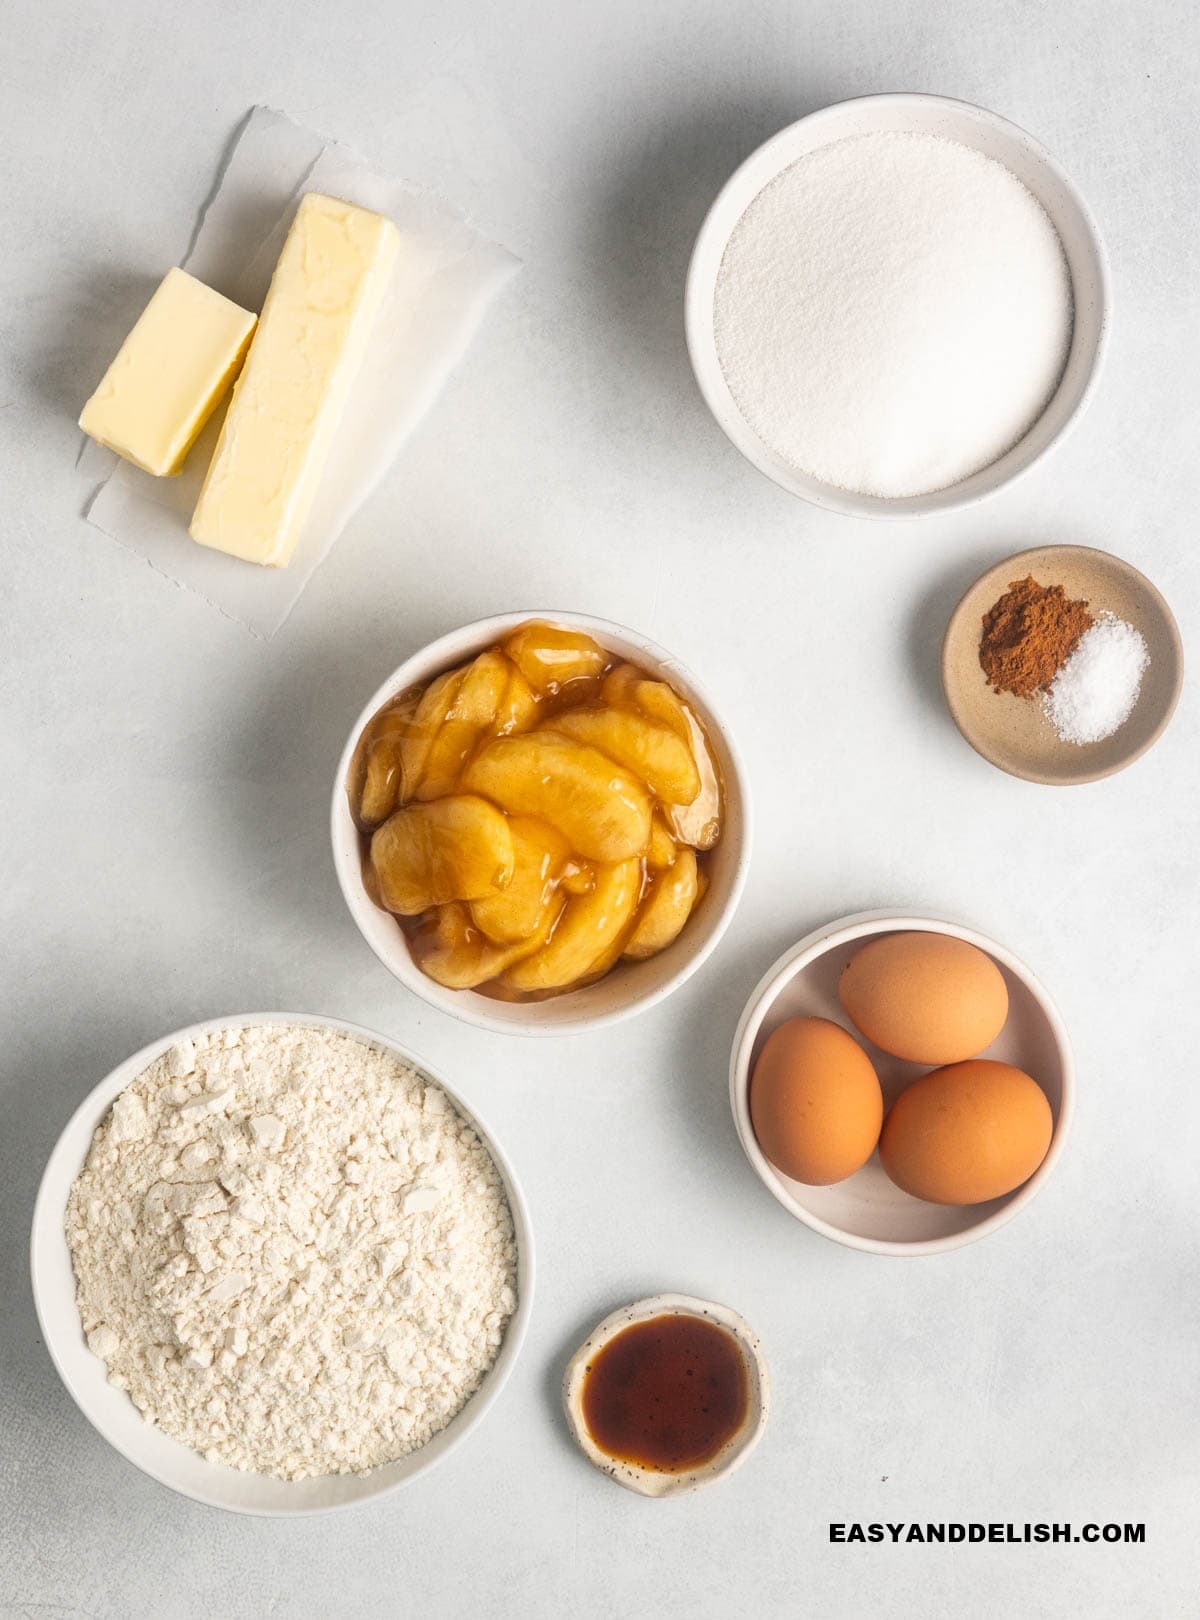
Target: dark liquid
[{"x": 666, "y": 1394}]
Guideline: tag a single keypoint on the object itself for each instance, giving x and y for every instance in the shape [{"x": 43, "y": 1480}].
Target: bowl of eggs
[{"x": 901, "y": 1084}]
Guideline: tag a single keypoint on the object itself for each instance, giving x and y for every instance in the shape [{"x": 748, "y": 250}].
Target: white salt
[
  {"x": 893, "y": 313},
  {"x": 1094, "y": 692}
]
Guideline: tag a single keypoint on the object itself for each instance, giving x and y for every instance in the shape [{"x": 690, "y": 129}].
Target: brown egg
[
  {"x": 815, "y": 1101},
  {"x": 929, "y": 998},
  {"x": 966, "y": 1133}
]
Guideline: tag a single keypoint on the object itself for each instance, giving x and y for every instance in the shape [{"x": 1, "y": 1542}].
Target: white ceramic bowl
[
  {"x": 868, "y": 1211},
  {"x": 112, "y": 1412},
  {"x": 651, "y": 1481},
  {"x": 631, "y": 986},
  {"x": 996, "y": 138}
]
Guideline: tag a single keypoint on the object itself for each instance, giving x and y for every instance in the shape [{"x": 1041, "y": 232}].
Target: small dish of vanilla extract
[{"x": 668, "y": 1394}]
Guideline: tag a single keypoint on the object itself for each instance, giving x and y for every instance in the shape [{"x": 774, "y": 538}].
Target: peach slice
[
  {"x": 519, "y": 706},
  {"x": 518, "y": 911},
  {"x": 659, "y": 756},
  {"x": 696, "y": 821},
  {"x": 662, "y": 703},
  {"x": 598, "y": 806},
  {"x": 579, "y": 877},
  {"x": 550, "y": 658},
  {"x": 620, "y": 686},
  {"x": 663, "y": 849},
  {"x": 417, "y": 741},
  {"x": 458, "y": 848},
  {"x": 472, "y": 712},
  {"x": 381, "y": 774},
  {"x": 699, "y": 822},
  {"x": 666, "y": 910},
  {"x": 587, "y": 936},
  {"x": 458, "y": 955}
]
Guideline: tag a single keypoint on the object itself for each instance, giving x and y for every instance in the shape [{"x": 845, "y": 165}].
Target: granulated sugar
[
  {"x": 1094, "y": 692},
  {"x": 893, "y": 313}
]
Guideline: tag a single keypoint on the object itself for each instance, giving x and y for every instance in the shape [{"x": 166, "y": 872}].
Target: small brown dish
[{"x": 1014, "y": 733}]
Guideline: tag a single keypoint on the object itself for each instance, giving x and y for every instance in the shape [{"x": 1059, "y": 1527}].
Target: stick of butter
[
  {"x": 169, "y": 374},
  {"x": 312, "y": 334}
]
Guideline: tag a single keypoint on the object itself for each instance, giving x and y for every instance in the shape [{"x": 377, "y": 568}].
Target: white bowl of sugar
[{"x": 897, "y": 305}]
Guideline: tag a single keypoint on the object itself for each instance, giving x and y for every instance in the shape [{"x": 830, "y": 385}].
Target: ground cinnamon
[{"x": 1029, "y": 634}]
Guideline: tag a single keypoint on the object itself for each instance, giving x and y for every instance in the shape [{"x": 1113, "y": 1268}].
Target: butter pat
[
  {"x": 169, "y": 374},
  {"x": 312, "y": 334}
]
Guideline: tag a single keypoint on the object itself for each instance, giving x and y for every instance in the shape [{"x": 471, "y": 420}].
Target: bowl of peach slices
[{"x": 539, "y": 823}]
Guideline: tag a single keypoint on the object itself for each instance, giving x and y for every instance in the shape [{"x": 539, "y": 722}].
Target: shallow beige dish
[
  {"x": 112, "y": 1412},
  {"x": 1013, "y": 732},
  {"x": 631, "y": 986},
  {"x": 651, "y": 1481},
  {"x": 868, "y": 1210}
]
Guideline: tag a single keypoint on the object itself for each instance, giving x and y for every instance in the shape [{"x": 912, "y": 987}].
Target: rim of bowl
[
  {"x": 706, "y": 366},
  {"x": 465, "y": 1005},
  {"x": 733, "y": 1454},
  {"x": 979, "y": 743},
  {"x": 841, "y": 931},
  {"x": 59, "y": 1177}
]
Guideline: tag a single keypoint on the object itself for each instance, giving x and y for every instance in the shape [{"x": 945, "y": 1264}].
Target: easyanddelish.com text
[{"x": 955, "y": 1533}]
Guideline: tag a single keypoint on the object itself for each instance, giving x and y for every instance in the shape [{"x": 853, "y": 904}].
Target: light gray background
[{"x": 166, "y": 779}]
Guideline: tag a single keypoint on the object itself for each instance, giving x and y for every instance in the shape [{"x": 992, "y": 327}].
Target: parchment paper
[{"x": 446, "y": 277}]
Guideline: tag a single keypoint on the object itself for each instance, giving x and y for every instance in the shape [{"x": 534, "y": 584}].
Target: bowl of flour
[
  {"x": 279, "y": 1264},
  {"x": 897, "y": 305}
]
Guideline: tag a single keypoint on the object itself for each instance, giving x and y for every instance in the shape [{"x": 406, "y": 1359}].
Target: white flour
[
  {"x": 893, "y": 312},
  {"x": 292, "y": 1251}
]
